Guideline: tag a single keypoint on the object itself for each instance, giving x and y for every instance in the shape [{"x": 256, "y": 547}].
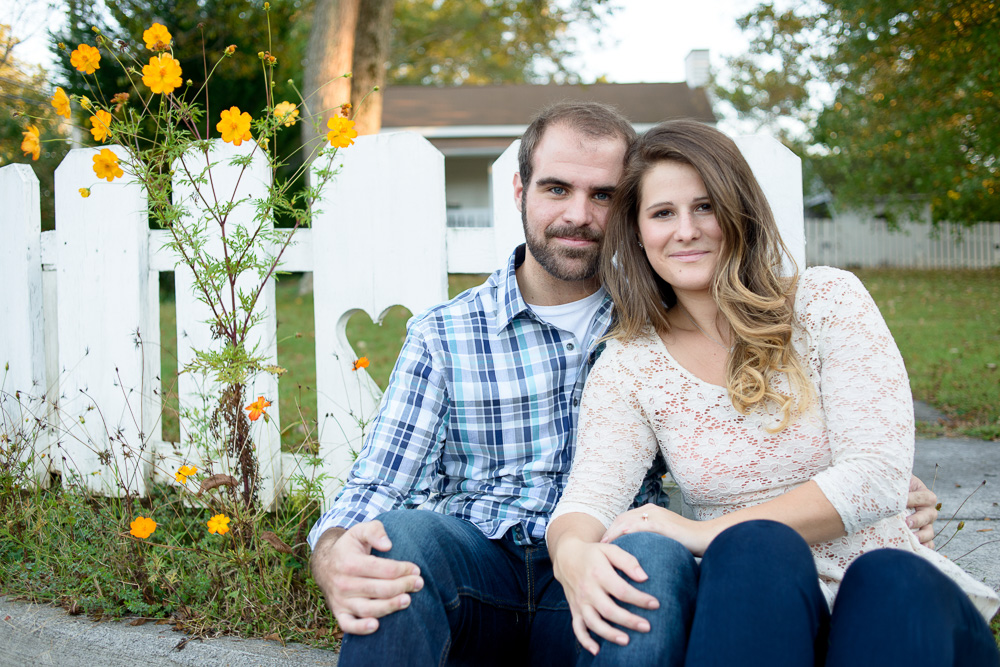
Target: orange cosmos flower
[
  {"x": 106, "y": 165},
  {"x": 61, "y": 103},
  {"x": 85, "y": 59},
  {"x": 183, "y": 473},
  {"x": 341, "y": 132},
  {"x": 257, "y": 409},
  {"x": 101, "y": 122},
  {"x": 219, "y": 524},
  {"x": 234, "y": 126},
  {"x": 142, "y": 527},
  {"x": 162, "y": 74},
  {"x": 286, "y": 113},
  {"x": 30, "y": 144},
  {"x": 157, "y": 38},
  {"x": 360, "y": 363}
]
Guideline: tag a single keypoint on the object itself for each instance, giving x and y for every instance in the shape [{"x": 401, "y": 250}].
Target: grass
[{"x": 947, "y": 326}]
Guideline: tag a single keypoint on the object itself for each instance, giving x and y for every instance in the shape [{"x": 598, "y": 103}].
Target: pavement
[{"x": 964, "y": 473}]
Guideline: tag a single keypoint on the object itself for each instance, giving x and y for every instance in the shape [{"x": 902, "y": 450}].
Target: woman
[{"x": 783, "y": 410}]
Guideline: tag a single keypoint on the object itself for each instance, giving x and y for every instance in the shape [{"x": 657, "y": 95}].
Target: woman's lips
[{"x": 689, "y": 256}]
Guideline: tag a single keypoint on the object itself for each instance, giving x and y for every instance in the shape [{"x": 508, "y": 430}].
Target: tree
[
  {"x": 26, "y": 96},
  {"x": 436, "y": 43},
  {"x": 898, "y": 97}
]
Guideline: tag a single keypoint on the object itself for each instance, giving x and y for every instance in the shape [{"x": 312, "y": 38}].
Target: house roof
[{"x": 480, "y": 119}]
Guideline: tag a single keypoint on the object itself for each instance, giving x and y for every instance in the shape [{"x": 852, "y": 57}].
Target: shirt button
[
  {"x": 576, "y": 402},
  {"x": 570, "y": 346}
]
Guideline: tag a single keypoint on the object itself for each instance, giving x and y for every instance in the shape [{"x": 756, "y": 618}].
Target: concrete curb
[{"x": 42, "y": 635}]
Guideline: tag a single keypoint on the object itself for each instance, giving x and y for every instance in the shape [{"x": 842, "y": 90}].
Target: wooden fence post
[
  {"x": 199, "y": 394},
  {"x": 379, "y": 241},
  {"x": 22, "y": 322},
  {"x": 507, "y": 225},
  {"x": 107, "y": 371}
]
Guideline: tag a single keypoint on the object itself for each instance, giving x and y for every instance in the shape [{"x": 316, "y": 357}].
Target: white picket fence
[
  {"x": 79, "y": 311},
  {"x": 853, "y": 240}
]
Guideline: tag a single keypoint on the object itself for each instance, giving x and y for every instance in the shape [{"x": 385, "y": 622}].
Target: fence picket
[
  {"x": 199, "y": 393},
  {"x": 22, "y": 343},
  {"x": 372, "y": 252},
  {"x": 106, "y": 375}
]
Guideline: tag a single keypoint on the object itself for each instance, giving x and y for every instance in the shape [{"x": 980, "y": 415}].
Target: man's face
[{"x": 565, "y": 207}]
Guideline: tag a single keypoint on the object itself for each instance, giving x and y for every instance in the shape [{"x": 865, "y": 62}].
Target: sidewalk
[{"x": 42, "y": 635}]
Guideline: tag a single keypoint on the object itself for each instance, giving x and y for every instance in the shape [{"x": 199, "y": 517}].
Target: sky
[
  {"x": 643, "y": 41},
  {"x": 646, "y": 41}
]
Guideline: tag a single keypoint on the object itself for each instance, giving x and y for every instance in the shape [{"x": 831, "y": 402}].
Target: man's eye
[
  {"x": 556, "y": 190},
  {"x": 603, "y": 196}
]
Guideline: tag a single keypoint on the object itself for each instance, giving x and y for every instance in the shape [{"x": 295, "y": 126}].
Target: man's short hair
[{"x": 594, "y": 119}]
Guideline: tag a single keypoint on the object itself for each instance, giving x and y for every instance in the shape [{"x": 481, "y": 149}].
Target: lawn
[
  {"x": 946, "y": 323},
  {"x": 947, "y": 326}
]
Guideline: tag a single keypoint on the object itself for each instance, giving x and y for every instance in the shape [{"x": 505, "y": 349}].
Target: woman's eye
[{"x": 705, "y": 207}]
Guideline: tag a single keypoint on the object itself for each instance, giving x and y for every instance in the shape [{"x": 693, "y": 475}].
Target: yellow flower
[
  {"x": 162, "y": 74},
  {"x": 85, "y": 59},
  {"x": 85, "y": 102},
  {"x": 231, "y": 49},
  {"x": 84, "y": 192},
  {"x": 157, "y": 38},
  {"x": 106, "y": 165},
  {"x": 341, "y": 132},
  {"x": 257, "y": 409},
  {"x": 234, "y": 126},
  {"x": 61, "y": 103},
  {"x": 183, "y": 473},
  {"x": 30, "y": 144},
  {"x": 360, "y": 363},
  {"x": 142, "y": 527},
  {"x": 101, "y": 122},
  {"x": 286, "y": 113},
  {"x": 219, "y": 524}
]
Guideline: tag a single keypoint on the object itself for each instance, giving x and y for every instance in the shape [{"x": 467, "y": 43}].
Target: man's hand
[
  {"x": 592, "y": 587},
  {"x": 361, "y": 588},
  {"x": 923, "y": 502}
]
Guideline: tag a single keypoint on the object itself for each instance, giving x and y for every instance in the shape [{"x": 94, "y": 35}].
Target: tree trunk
[
  {"x": 328, "y": 57},
  {"x": 372, "y": 42}
]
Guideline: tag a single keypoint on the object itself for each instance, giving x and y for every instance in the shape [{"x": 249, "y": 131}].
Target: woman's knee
[{"x": 761, "y": 551}]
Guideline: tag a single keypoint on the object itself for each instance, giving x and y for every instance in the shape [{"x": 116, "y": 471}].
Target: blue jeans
[
  {"x": 757, "y": 601},
  {"x": 484, "y": 602}
]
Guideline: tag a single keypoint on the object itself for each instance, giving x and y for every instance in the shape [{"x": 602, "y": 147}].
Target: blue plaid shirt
[{"x": 479, "y": 418}]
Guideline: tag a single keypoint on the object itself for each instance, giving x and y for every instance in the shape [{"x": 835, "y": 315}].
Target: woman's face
[{"x": 678, "y": 228}]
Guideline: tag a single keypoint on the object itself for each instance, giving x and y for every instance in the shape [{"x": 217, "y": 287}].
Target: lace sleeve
[
  {"x": 615, "y": 444},
  {"x": 865, "y": 397}
]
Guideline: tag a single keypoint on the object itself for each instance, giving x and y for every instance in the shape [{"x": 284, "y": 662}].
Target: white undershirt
[{"x": 574, "y": 317}]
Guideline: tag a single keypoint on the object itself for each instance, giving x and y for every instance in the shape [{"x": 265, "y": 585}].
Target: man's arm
[
  {"x": 923, "y": 502},
  {"x": 393, "y": 470}
]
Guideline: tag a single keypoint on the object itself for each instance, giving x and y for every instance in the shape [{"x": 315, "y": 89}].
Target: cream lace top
[{"x": 856, "y": 441}]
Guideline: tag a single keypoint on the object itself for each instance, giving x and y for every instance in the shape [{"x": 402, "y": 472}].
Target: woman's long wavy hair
[{"x": 752, "y": 296}]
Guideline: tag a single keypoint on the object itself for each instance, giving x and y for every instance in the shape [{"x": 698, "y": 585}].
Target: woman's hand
[
  {"x": 595, "y": 590},
  {"x": 695, "y": 535}
]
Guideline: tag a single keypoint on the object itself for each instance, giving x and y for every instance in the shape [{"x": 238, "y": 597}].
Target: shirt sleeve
[
  {"x": 397, "y": 463},
  {"x": 615, "y": 444},
  {"x": 866, "y": 401}
]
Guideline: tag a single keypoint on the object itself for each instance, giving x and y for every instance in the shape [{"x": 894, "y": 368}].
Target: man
[{"x": 478, "y": 424}]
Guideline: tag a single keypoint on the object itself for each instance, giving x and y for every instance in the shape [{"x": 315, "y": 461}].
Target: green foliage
[
  {"x": 898, "y": 98},
  {"x": 26, "y": 96},
  {"x": 486, "y": 41},
  {"x": 947, "y": 326}
]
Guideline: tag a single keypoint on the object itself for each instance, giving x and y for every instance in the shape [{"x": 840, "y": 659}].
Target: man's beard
[{"x": 570, "y": 264}]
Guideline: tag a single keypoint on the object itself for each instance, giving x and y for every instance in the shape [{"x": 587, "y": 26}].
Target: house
[{"x": 473, "y": 125}]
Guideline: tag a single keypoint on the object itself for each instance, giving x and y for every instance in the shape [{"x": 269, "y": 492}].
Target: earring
[{"x": 641, "y": 246}]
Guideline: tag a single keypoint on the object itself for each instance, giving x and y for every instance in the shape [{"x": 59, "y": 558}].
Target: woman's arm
[
  {"x": 615, "y": 448},
  {"x": 586, "y": 570}
]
